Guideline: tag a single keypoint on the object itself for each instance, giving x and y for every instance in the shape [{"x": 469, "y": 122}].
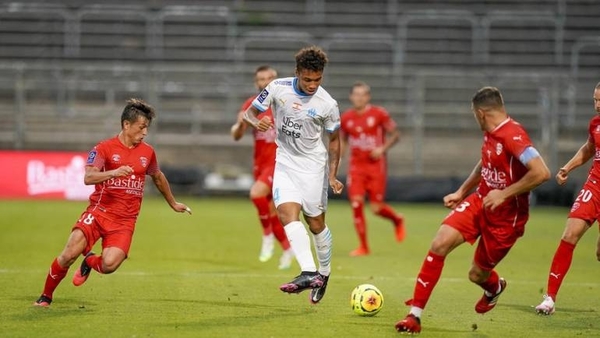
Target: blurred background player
[
  {"x": 584, "y": 212},
  {"x": 369, "y": 132},
  {"x": 306, "y": 163},
  {"x": 264, "y": 165},
  {"x": 117, "y": 167},
  {"x": 496, "y": 213}
]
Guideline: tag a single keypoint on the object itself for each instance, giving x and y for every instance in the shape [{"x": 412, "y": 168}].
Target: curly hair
[
  {"x": 136, "y": 108},
  {"x": 311, "y": 58},
  {"x": 488, "y": 97}
]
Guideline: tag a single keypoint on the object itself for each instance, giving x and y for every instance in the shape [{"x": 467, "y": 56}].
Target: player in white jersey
[{"x": 307, "y": 162}]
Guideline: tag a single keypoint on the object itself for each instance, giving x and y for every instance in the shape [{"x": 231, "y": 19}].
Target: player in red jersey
[
  {"x": 369, "y": 131},
  {"x": 117, "y": 167},
  {"x": 584, "y": 212},
  {"x": 264, "y": 166},
  {"x": 496, "y": 213}
]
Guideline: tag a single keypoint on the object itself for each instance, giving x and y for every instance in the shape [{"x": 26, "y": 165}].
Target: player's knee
[
  {"x": 110, "y": 265},
  {"x": 477, "y": 276},
  {"x": 439, "y": 247},
  {"x": 376, "y": 207},
  {"x": 66, "y": 259}
]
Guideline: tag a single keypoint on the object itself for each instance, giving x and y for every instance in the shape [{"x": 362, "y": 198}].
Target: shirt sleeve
[
  {"x": 332, "y": 119},
  {"x": 96, "y": 157},
  {"x": 264, "y": 98},
  {"x": 517, "y": 142},
  {"x": 387, "y": 122},
  {"x": 153, "y": 167}
]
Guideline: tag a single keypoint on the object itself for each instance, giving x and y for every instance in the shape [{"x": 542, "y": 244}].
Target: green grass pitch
[{"x": 199, "y": 276}]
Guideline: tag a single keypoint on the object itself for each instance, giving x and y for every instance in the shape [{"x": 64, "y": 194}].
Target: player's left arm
[
  {"x": 537, "y": 173},
  {"x": 392, "y": 136},
  {"x": 162, "y": 184},
  {"x": 334, "y": 161}
]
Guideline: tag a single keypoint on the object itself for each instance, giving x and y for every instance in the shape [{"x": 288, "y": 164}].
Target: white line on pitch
[{"x": 200, "y": 274}]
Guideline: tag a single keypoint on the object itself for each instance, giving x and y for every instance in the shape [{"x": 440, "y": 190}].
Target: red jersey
[
  {"x": 594, "y": 137},
  {"x": 120, "y": 198},
  {"x": 264, "y": 141},
  {"x": 500, "y": 164},
  {"x": 366, "y": 131}
]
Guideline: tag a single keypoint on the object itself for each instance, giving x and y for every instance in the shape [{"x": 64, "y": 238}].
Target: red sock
[
  {"x": 262, "y": 206},
  {"x": 279, "y": 232},
  {"x": 491, "y": 284},
  {"x": 95, "y": 262},
  {"x": 387, "y": 212},
  {"x": 55, "y": 275},
  {"x": 430, "y": 273},
  {"x": 560, "y": 266},
  {"x": 359, "y": 223}
]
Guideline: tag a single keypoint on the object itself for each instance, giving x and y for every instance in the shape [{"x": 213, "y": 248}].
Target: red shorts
[
  {"x": 587, "y": 203},
  {"x": 264, "y": 174},
  {"x": 497, "y": 231},
  {"x": 113, "y": 234},
  {"x": 370, "y": 180}
]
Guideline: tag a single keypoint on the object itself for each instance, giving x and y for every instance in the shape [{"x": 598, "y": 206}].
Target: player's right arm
[
  {"x": 453, "y": 199},
  {"x": 584, "y": 154},
  {"x": 93, "y": 175},
  {"x": 250, "y": 117}
]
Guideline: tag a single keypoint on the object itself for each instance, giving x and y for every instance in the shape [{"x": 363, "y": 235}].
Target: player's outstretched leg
[
  {"x": 306, "y": 280},
  {"x": 56, "y": 273},
  {"x": 411, "y": 324},
  {"x": 546, "y": 307},
  {"x": 300, "y": 242},
  {"x": 488, "y": 301},
  {"x": 82, "y": 274}
]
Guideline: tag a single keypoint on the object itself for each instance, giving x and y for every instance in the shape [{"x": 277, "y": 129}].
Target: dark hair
[
  {"x": 136, "y": 108},
  {"x": 488, "y": 97},
  {"x": 360, "y": 84},
  {"x": 311, "y": 58}
]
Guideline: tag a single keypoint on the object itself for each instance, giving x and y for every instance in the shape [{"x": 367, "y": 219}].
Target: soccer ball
[{"x": 366, "y": 300}]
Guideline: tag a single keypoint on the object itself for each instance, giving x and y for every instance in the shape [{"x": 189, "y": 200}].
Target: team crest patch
[
  {"x": 92, "y": 156},
  {"x": 144, "y": 161},
  {"x": 116, "y": 158},
  {"x": 312, "y": 112},
  {"x": 370, "y": 121},
  {"x": 498, "y": 148},
  {"x": 262, "y": 96}
]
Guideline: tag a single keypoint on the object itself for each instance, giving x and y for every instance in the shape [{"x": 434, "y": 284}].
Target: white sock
[
  {"x": 323, "y": 242},
  {"x": 300, "y": 244},
  {"x": 416, "y": 311}
]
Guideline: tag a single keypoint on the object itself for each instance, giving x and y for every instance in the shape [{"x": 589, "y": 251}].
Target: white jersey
[{"x": 300, "y": 121}]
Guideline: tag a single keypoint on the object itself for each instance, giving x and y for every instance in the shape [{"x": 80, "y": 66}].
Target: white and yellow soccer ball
[{"x": 366, "y": 300}]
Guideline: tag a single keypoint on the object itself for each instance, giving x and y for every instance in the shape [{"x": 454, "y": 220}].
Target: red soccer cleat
[
  {"x": 411, "y": 324},
  {"x": 400, "y": 230},
  {"x": 486, "y": 303},
  {"x": 82, "y": 274},
  {"x": 361, "y": 251}
]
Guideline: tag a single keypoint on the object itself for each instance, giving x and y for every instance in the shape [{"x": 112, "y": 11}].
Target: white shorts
[{"x": 307, "y": 189}]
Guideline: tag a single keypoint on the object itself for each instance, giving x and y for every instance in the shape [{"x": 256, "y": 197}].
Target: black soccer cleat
[
  {"x": 82, "y": 274},
  {"x": 317, "y": 293},
  {"x": 306, "y": 280},
  {"x": 43, "y": 301}
]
